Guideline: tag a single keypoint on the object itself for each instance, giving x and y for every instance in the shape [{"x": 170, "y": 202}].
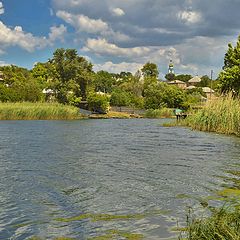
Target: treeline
[{"x": 69, "y": 79}]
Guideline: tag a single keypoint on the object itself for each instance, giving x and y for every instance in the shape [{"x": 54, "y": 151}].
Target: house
[
  {"x": 191, "y": 87},
  {"x": 209, "y": 92},
  {"x": 178, "y": 83},
  {"x": 194, "y": 81}
]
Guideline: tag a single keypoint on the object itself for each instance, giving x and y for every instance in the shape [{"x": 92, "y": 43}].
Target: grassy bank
[
  {"x": 37, "y": 111},
  {"x": 221, "y": 115},
  {"x": 111, "y": 114},
  {"x": 159, "y": 113},
  {"x": 223, "y": 224}
]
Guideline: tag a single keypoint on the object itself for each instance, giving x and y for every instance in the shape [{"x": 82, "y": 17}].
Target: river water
[{"x": 121, "y": 179}]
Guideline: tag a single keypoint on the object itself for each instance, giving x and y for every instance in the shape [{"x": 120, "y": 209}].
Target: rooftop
[{"x": 195, "y": 79}]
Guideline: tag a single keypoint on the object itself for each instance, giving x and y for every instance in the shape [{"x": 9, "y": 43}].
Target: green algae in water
[
  {"x": 115, "y": 234},
  {"x": 57, "y": 238},
  {"x": 110, "y": 217}
]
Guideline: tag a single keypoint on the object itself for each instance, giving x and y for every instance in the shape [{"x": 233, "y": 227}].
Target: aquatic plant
[
  {"x": 159, "y": 113},
  {"x": 37, "y": 111},
  {"x": 224, "y": 223},
  {"x": 221, "y": 115}
]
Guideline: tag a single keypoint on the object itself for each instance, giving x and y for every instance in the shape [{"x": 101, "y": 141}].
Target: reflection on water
[{"x": 119, "y": 179}]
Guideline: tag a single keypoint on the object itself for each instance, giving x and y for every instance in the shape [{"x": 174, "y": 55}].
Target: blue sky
[{"x": 121, "y": 35}]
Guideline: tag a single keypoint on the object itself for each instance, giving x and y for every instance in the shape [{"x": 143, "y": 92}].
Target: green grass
[
  {"x": 223, "y": 224},
  {"x": 221, "y": 115},
  {"x": 159, "y": 113},
  {"x": 38, "y": 111}
]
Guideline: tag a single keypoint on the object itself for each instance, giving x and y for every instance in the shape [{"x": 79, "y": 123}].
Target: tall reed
[
  {"x": 37, "y": 111},
  {"x": 159, "y": 113},
  {"x": 221, "y": 115},
  {"x": 223, "y": 224}
]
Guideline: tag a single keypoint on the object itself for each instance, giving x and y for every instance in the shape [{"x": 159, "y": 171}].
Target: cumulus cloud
[
  {"x": 118, "y": 12},
  {"x": 83, "y": 23},
  {"x": 57, "y": 33},
  {"x": 190, "y": 17},
  {"x": 27, "y": 41},
  {"x": 1, "y": 8},
  {"x": 102, "y": 46},
  {"x": 118, "y": 67},
  {"x": 136, "y": 55}
]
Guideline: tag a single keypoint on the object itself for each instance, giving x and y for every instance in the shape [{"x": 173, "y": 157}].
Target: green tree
[
  {"x": 104, "y": 82},
  {"x": 205, "y": 82},
  {"x": 150, "y": 70},
  {"x": 183, "y": 77},
  {"x": 98, "y": 103},
  {"x": 41, "y": 73},
  {"x": 120, "y": 98},
  {"x": 229, "y": 78},
  {"x": 70, "y": 73},
  {"x": 163, "y": 95},
  {"x": 170, "y": 76}
]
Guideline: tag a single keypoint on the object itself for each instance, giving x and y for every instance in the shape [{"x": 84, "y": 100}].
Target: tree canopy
[{"x": 229, "y": 78}]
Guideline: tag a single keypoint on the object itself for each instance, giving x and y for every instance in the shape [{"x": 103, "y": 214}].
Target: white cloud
[
  {"x": 27, "y": 41},
  {"x": 1, "y": 8},
  {"x": 118, "y": 67},
  {"x": 83, "y": 23},
  {"x": 118, "y": 12},
  {"x": 2, "y": 63},
  {"x": 189, "y": 17},
  {"x": 57, "y": 33},
  {"x": 102, "y": 46}
]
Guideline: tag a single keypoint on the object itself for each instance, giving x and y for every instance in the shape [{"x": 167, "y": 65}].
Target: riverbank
[
  {"x": 221, "y": 116},
  {"x": 38, "y": 111},
  {"x": 114, "y": 115},
  {"x": 56, "y": 111}
]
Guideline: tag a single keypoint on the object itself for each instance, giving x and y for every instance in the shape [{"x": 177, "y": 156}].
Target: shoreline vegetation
[
  {"x": 221, "y": 115},
  {"x": 38, "y": 111},
  {"x": 57, "y": 111}
]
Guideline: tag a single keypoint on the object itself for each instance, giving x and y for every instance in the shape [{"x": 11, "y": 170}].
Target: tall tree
[
  {"x": 70, "y": 73},
  {"x": 150, "y": 70},
  {"x": 229, "y": 78}
]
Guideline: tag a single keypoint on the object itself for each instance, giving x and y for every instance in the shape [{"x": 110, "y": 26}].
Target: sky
[{"x": 121, "y": 35}]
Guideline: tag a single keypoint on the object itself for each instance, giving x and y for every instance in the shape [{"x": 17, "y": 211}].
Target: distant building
[
  {"x": 171, "y": 67},
  {"x": 1, "y": 76},
  {"x": 194, "y": 81},
  {"x": 178, "y": 83},
  {"x": 210, "y": 93},
  {"x": 190, "y": 87}
]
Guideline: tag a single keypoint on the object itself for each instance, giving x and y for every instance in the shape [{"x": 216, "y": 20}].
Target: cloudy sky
[{"x": 121, "y": 35}]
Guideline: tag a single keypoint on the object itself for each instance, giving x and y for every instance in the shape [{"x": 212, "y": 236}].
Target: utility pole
[{"x": 211, "y": 84}]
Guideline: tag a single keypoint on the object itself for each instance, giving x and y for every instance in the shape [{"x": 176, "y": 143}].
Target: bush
[
  {"x": 98, "y": 103},
  {"x": 120, "y": 98}
]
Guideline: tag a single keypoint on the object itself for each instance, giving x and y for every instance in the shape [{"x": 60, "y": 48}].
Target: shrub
[{"x": 98, "y": 103}]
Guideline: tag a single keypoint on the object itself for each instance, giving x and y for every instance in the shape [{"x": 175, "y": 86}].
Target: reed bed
[
  {"x": 223, "y": 224},
  {"x": 221, "y": 115},
  {"x": 159, "y": 113},
  {"x": 38, "y": 111}
]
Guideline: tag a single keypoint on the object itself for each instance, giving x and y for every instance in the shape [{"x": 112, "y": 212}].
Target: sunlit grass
[
  {"x": 223, "y": 224},
  {"x": 221, "y": 115},
  {"x": 37, "y": 111},
  {"x": 159, "y": 113}
]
